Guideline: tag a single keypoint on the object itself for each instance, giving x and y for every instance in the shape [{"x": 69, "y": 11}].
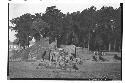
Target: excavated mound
[{"x": 36, "y": 51}]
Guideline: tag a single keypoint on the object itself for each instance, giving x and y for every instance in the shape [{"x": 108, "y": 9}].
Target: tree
[
  {"x": 88, "y": 22},
  {"x": 108, "y": 21},
  {"x": 54, "y": 18},
  {"x": 95, "y": 29},
  {"x": 22, "y": 26},
  {"x": 40, "y": 28}
]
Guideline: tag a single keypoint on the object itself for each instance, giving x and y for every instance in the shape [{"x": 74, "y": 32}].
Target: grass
[
  {"x": 89, "y": 69},
  {"x": 86, "y": 70}
]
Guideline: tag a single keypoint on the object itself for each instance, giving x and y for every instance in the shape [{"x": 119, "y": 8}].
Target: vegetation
[{"x": 91, "y": 28}]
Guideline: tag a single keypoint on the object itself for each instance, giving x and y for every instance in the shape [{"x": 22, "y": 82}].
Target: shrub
[{"x": 117, "y": 57}]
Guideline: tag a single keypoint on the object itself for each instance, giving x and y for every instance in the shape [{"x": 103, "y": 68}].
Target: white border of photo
[{"x": 4, "y": 38}]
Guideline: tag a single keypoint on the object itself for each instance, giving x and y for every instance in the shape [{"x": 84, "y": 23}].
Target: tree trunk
[
  {"x": 109, "y": 47},
  {"x": 83, "y": 43},
  {"x": 89, "y": 41},
  {"x": 75, "y": 51},
  {"x": 114, "y": 45},
  {"x": 88, "y": 45},
  {"x": 119, "y": 49},
  {"x": 105, "y": 47}
]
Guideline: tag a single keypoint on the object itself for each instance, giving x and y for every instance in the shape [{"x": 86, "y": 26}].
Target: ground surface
[
  {"x": 110, "y": 69},
  {"x": 86, "y": 70}
]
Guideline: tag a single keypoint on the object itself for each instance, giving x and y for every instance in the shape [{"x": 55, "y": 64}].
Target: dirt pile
[{"x": 33, "y": 52}]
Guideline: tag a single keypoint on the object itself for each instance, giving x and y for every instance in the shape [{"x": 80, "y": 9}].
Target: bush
[
  {"x": 101, "y": 58},
  {"x": 117, "y": 57},
  {"x": 94, "y": 58}
]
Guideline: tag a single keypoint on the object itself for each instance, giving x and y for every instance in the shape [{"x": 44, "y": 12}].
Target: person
[
  {"x": 95, "y": 56},
  {"x": 43, "y": 55}
]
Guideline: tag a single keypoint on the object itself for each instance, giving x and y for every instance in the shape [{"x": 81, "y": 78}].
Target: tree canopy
[{"x": 93, "y": 29}]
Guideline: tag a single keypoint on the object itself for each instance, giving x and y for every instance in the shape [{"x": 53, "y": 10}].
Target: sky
[{"x": 18, "y": 9}]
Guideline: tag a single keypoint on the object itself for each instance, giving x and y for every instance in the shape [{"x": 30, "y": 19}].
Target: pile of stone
[
  {"x": 49, "y": 54},
  {"x": 62, "y": 58}
]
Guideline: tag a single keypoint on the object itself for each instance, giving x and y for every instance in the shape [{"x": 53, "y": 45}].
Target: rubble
[{"x": 49, "y": 55}]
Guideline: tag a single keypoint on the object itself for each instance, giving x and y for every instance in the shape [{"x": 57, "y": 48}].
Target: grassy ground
[
  {"x": 86, "y": 70},
  {"x": 89, "y": 69}
]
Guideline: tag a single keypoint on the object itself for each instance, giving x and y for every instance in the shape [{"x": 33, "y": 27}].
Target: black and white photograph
[{"x": 65, "y": 41}]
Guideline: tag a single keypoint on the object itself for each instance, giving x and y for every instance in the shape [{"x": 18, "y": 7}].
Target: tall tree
[
  {"x": 88, "y": 22},
  {"x": 54, "y": 17},
  {"x": 22, "y": 26},
  {"x": 40, "y": 28}
]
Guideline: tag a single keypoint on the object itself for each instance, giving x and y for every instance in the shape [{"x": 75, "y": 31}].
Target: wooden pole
[{"x": 75, "y": 51}]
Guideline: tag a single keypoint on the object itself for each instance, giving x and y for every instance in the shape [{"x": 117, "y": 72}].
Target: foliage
[{"x": 91, "y": 28}]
